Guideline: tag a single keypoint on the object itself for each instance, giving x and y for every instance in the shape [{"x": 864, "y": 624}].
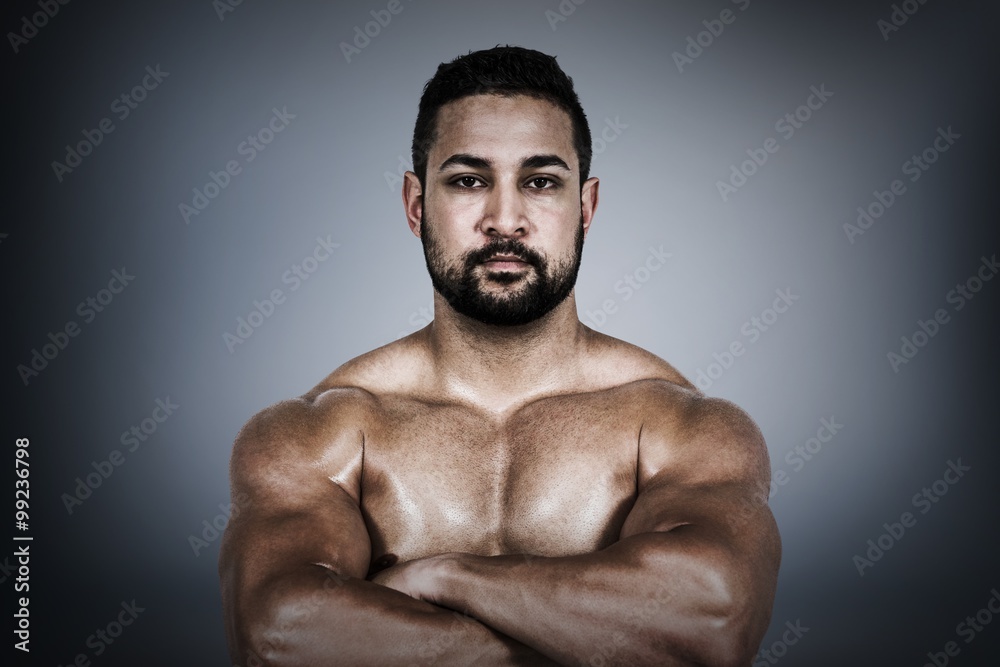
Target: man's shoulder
[
  {"x": 697, "y": 436},
  {"x": 288, "y": 443},
  {"x": 662, "y": 389},
  {"x": 679, "y": 422},
  {"x": 308, "y": 415},
  {"x": 345, "y": 400},
  {"x": 390, "y": 369},
  {"x": 305, "y": 428},
  {"x": 617, "y": 362}
]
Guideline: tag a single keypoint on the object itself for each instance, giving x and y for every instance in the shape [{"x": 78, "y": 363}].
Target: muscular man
[{"x": 505, "y": 486}]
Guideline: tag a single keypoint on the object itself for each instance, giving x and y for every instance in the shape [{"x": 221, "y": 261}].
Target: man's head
[
  {"x": 503, "y": 70},
  {"x": 500, "y": 197}
]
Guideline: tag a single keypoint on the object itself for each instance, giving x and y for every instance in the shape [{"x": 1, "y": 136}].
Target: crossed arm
[{"x": 690, "y": 582}]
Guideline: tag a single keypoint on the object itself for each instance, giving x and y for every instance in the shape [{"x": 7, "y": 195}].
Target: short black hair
[{"x": 502, "y": 70}]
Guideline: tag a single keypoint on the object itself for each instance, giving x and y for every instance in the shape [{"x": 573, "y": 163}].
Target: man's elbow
[
  {"x": 720, "y": 639},
  {"x": 723, "y": 603},
  {"x": 732, "y": 634},
  {"x": 272, "y": 628},
  {"x": 734, "y": 645},
  {"x": 720, "y": 624},
  {"x": 256, "y": 636}
]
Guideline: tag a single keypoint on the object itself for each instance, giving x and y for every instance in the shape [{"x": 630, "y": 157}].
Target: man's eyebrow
[
  {"x": 540, "y": 161},
  {"x": 476, "y": 162},
  {"x": 466, "y": 160}
]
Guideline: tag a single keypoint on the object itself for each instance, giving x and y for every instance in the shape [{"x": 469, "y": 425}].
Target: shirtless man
[{"x": 505, "y": 486}]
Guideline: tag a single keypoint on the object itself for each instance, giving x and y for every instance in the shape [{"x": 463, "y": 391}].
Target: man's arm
[
  {"x": 690, "y": 582},
  {"x": 296, "y": 552}
]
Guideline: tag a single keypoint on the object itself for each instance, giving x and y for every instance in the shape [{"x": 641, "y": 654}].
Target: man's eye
[
  {"x": 541, "y": 183},
  {"x": 468, "y": 181}
]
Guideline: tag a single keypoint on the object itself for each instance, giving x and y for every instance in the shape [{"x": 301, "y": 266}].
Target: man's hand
[
  {"x": 422, "y": 578},
  {"x": 428, "y": 579}
]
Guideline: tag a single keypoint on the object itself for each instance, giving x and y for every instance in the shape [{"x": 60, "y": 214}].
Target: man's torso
[{"x": 555, "y": 476}]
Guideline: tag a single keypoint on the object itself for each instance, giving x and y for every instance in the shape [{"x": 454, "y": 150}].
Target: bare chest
[{"x": 555, "y": 478}]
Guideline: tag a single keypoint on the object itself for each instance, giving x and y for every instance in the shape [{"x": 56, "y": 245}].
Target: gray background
[{"x": 330, "y": 173}]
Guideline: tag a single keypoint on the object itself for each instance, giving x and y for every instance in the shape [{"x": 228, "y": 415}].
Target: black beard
[{"x": 459, "y": 284}]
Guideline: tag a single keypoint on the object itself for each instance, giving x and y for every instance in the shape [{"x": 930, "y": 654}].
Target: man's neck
[{"x": 500, "y": 367}]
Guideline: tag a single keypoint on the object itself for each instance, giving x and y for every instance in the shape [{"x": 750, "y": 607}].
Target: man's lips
[{"x": 505, "y": 263}]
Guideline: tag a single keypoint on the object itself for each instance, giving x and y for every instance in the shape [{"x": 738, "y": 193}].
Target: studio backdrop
[{"x": 203, "y": 217}]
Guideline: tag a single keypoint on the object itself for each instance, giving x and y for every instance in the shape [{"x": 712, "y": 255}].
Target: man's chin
[
  {"x": 497, "y": 318},
  {"x": 498, "y": 308}
]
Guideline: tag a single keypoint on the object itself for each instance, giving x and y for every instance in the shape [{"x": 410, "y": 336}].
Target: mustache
[{"x": 504, "y": 247}]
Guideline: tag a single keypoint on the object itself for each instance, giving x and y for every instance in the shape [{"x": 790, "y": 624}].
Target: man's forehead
[{"x": 503, "y": 129}]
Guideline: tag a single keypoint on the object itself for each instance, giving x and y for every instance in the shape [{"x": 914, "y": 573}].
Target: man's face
[{"x": 501, "y": 221}]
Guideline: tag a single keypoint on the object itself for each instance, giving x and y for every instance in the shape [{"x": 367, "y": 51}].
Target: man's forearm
[
  {"x": 648, "y": 599},
  {"x": 317, "y": 618}
]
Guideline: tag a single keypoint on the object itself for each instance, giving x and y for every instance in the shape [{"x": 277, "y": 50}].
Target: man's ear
[
  {"x": 413, "y": 200},
  {"x": 588, "y": 201}
]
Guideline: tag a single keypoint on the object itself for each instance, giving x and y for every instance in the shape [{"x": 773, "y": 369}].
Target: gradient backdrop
[{"x": 671, "y": 129}]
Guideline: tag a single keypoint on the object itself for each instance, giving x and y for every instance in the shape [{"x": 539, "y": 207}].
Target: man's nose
[{"x": 505, "y": 215}]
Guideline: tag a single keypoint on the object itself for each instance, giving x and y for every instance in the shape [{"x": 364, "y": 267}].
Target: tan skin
[{"x": 573, "y": 496}]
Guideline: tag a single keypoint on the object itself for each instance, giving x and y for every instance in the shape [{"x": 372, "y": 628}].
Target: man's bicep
[
  {"x": 730, "y": 519},
  {"x": 288, "y": 512},
  {"x": 704, "y": 471},
  {"x": 275, "y": 537}
]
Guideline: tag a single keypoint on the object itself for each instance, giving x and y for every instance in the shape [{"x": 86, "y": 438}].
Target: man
[{"x": 505, "y": 486}]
